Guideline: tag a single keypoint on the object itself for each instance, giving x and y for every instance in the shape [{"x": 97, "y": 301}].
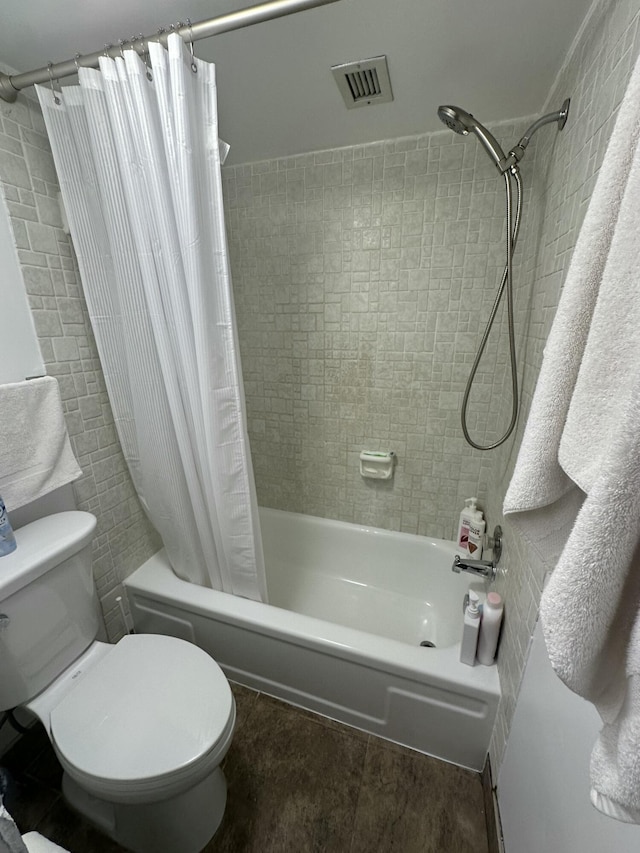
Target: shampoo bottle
[
  {"x": 7, "y": 539},
  {"x": 470, "y": 630},
  {"x": 477, "y": 527},
  {"x": 466, "y": 517},
  {"x": 490, "y": 628}
]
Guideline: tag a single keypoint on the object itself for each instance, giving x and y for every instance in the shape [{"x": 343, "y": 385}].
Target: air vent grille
[{"x": 365, "y": 82}]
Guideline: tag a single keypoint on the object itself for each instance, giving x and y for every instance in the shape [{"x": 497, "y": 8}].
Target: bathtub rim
[{"x": 156, "y": 580}]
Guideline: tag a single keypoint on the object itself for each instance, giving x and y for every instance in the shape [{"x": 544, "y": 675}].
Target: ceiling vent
[{"x": 365, "y": 82}]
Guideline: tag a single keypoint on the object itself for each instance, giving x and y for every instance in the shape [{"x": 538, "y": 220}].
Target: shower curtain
[{"x": 139, "y": 168}]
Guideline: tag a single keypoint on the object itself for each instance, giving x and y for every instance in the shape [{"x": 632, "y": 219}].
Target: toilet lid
[{"x": 152, "y": 707}]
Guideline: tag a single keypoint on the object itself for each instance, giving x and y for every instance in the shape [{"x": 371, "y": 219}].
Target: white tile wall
[
  {"x": 363, "y": 277},
  {"x": 125, "y": 539}
]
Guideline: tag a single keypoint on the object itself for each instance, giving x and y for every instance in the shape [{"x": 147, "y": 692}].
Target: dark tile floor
[{"x": 297, "y": 782}]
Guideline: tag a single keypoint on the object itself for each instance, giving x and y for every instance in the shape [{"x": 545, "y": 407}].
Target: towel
[
  {"x": 575, "y": 490},
  {"x": 35, "y": 453},
  {"x": 10, "y": 840},
  {"x": 36, "y": 843}
]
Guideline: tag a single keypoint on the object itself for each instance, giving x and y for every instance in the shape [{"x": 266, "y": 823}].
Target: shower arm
[{"x": 517, "y": 152}]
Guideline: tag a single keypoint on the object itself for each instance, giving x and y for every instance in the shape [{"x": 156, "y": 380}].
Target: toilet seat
[{"x": 150, "y": 719}]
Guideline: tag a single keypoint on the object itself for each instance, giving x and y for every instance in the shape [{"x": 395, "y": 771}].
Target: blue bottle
[{"x": 7, "y": 539}]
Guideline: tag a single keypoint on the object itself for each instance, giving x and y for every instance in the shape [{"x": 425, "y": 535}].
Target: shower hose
[{"x": 513, "y": 227}]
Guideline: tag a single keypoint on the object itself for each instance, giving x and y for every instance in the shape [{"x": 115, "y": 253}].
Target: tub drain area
[{"x": 428, "y": 644}]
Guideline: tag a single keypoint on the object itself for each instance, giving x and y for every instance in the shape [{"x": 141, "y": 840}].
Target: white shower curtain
[{"x": 139, "y": 169}]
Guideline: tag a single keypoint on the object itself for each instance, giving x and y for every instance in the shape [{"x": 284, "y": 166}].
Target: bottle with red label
[
  {"x": 466, "y": 517},
  {"x": 477, "y": 527}
]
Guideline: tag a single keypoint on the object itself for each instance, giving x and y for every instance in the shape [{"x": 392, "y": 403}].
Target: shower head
[
  {"x": 456, "y": 119},
  {"x": 462, "y": 122}
]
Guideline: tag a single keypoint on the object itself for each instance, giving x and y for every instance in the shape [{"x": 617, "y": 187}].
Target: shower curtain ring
[
  {"x": 122, "y": 43},
  {"x": 76, "y": 60},
  {"x": 56, "y": 99},
  {"x": 145, "y": 55},
  {"x": 194, "y": 67},
  {"x": 107, "y": 48}
]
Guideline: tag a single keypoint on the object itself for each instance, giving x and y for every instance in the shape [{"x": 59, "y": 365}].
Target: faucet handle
[{"x": 495, "y": 543}]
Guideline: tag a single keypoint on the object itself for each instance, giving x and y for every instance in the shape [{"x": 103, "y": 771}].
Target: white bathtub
[{"x": 349, "y": 606}]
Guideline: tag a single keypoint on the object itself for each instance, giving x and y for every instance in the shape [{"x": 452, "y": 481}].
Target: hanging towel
[
  {"x": 35, "y": 453},
  {"x": 36, "y": 843},
  {"x": 10, "y": 840},
  {"x": 575, "y": 491}
]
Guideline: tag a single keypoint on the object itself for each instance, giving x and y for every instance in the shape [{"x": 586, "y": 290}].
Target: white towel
[
  {"x": 10, "y": 840},
  {"x": 35, "y": 453},
  {"x": 575, "y": 490},
  {"x": 36, "y": 843}
]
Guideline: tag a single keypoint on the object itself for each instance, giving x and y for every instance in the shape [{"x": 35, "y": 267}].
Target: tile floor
[{"x": 297, "y": 783}]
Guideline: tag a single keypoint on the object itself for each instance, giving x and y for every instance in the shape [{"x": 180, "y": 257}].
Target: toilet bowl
[{"x": 140, "y": 727}]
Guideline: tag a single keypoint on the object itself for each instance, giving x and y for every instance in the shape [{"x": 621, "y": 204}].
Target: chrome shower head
[
  {"x": 456, "y": 119},
  {"x": 462, "y": 122}
]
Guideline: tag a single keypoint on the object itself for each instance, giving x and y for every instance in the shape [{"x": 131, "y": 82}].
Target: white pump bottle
[
  {"x": 467, "y": 516},
  {"x": 470, "y": 630}
]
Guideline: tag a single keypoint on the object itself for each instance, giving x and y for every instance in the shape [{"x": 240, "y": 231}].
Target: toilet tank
[{"x": 48, "y": 604}]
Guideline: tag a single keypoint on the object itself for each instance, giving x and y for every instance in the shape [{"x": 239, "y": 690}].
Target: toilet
[{"x": 139, "y": 727}]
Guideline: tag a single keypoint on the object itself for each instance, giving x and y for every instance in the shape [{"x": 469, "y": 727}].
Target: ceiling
[{"x": 495, "y": 58}]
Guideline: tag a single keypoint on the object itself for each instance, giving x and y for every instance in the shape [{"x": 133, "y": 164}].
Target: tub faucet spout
[{"x": 483, "y": 568}]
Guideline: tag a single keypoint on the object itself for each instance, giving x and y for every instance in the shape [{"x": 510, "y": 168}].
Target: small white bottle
[
  {"x": 490, "y": 628},
  {"x": 466, "y": 517},
  {"x": 477, "y": 527},
  {"x": 470, "y": 630}
]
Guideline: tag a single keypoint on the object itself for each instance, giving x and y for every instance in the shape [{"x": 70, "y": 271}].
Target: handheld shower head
[
  {"x": 462, "y": 122},
  {"x": 456, "y": 119}
]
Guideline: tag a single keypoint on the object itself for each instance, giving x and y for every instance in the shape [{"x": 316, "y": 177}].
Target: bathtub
[{"x": 349, "y": 607}]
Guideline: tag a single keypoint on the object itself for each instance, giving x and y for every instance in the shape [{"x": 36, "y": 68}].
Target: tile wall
[
  {"x": 125, "y": 538},
  {"x": 594, "y": 75},
  {"x": 362, "y": 279}
]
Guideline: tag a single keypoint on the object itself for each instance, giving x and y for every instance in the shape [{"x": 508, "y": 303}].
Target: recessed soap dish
[{"x": 377, "y": 466}]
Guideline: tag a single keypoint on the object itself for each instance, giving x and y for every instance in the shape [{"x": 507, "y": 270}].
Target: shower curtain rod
[{"x": 11, "y": 85}]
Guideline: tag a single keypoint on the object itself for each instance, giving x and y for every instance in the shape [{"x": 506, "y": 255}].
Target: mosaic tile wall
[
  {"x": 362, "y": 278},
  {"x": 595, "y": 76},
  {"x": 125, "y": 538}
]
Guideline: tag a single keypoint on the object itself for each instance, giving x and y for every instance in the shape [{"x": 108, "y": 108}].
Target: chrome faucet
[{"x": 483, "y": 568}]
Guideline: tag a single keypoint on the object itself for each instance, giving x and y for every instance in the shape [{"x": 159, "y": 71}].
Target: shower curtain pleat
[{"x": 139, "y": 170}]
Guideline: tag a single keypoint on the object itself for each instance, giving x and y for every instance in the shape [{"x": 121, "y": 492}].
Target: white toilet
[{"x": 140, "y": 727}]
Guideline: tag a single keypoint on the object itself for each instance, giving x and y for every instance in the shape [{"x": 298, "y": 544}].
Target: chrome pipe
[
  {"x": 560, "y": 116},
  {"x": 11, "y": 85},
  {"x": 517, "y": 152}
]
